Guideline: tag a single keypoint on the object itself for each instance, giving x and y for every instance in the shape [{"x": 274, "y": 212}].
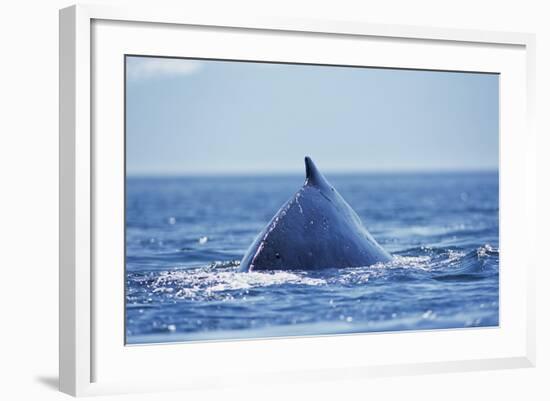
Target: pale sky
[{"x": 225, "y": 117}]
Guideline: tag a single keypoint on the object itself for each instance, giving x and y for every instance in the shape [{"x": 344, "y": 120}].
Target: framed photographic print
[{"x": 290, "y": 198}]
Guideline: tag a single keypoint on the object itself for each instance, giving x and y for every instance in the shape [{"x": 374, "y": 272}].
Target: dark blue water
[{"x": 185, "y": 237}]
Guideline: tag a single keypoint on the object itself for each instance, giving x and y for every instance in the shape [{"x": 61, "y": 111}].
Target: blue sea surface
[{"x": 185, "y": 237}]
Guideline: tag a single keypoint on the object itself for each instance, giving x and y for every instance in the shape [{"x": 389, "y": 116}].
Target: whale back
[{"x": 314, "y": 229}]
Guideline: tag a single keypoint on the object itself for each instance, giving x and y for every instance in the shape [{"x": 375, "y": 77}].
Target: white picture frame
[{"x": 93, "y": 358}]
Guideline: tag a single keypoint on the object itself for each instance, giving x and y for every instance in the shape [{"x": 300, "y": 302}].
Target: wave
[{"x": 221, "y": 280}]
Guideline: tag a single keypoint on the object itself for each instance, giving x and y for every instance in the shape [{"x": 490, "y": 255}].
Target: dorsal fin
[{"x": 313, "y": 175}]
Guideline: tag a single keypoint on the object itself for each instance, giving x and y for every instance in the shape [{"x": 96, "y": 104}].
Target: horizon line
[{"x": 248, "y": 173}]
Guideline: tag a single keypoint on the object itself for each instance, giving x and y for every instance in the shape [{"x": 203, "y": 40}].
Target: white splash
[{"x": 192, "y": 284}]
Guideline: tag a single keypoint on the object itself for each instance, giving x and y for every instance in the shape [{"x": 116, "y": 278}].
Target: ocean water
[{"x": 185, "y": 237}]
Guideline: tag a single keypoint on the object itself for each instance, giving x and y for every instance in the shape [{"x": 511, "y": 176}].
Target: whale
[{"x": 315, "y": 229}]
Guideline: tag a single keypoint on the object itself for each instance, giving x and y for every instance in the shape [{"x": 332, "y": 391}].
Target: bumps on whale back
[{"x": 314, "y": 229}]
